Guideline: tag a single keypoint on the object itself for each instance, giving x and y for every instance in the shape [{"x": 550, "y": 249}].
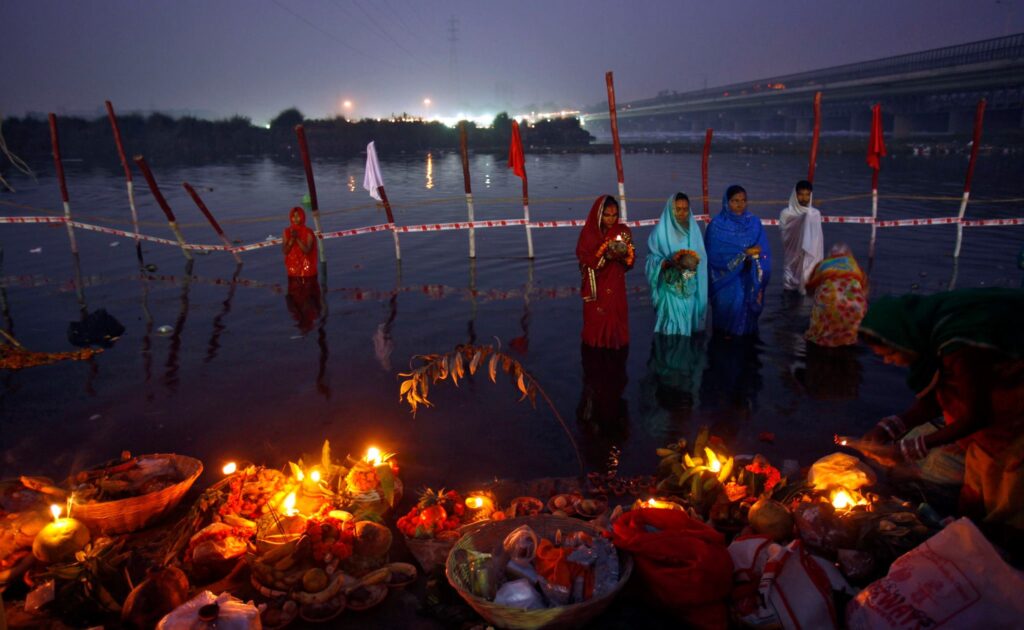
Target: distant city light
[
  {"x": 427, "y": 102},
  {"x": 347, "y": 104}
]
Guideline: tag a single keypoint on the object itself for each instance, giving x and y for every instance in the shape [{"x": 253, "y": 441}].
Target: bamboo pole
[
  {"x": 526, "y": 215},
  {"x": 127, "y": 178},
  {"x": 59, "y": 165},
  {"x": 874, "y": 212},
  {"x": 171, "y": 221},
  {"x": 704, "y": 166},
  {"x": 815, "y": 137},
  {"x": 464, "y": 149},
  {"x": 391, "y": 220},
  {"x": 300, "y": 133},
  {"x": 979, "y": 119},
  {"x": 213, "y": 222},
  {"x": 613, "y": 117}
]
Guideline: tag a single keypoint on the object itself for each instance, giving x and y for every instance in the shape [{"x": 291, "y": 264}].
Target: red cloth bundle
[{"x": 685, "y": 563}]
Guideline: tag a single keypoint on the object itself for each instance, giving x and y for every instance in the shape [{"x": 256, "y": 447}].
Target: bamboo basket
[
  {"x": 486, "y": 535},
  {"x": 134, "y": 513}
]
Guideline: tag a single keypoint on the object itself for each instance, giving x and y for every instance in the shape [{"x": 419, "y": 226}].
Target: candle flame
[
  {"x": 55, "y": 510},
  {"x": 229, "y": 468},
  {"x": 300, "y": 475},
  {"x": 714, "y": 464},
  {"x": 475, "y": 502},
  {"x": 315, "y": 476},
  {"x": 289, "y": 505},
  {"x": 373, "y": 456}
]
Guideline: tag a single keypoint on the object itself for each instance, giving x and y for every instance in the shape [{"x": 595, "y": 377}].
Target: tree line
[{"x": 163, "y": 139}]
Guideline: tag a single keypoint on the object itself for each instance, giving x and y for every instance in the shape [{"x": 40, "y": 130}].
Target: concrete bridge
[{"x": 932, "y": 92}]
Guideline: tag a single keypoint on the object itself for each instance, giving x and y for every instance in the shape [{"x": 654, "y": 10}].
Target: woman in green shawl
[
  {"x": 677, "y": 269},
  {"x": 965, "y": 351}
]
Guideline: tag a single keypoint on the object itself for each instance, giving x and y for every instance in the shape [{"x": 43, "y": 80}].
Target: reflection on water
[
  {"x": 831, "y": 373},
  {"x": 602, "y": 412},
  {"x": 670, "y": 391},
  {"x": 303, "y": 301},
  {"x": 171, "y": 376},
  {"x": 246, "y": 366},
  {"x": 731, "y": 384},
  {"x": 218, "y": 322},
  {"x": 430, "y": 171}
]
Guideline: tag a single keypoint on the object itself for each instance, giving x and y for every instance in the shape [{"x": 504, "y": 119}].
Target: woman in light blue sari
[
  {"x": 677, "y": 269},
  {"x": 739, "y": 263}
]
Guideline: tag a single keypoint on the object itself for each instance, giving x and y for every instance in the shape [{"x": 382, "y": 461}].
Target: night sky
[{"x": 216, "y": 58}]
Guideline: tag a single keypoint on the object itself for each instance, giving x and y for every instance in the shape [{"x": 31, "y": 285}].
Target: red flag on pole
[
  {"x": 876, "y": 144},
  {"x": 516, "y": 158}
]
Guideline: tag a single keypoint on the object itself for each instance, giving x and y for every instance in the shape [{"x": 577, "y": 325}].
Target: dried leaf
[
  {"x": 460, "y": 369},
  {"x": 475, "y": 363},
  {"x": 521, "y": 384},
  {"x": 406, "y": 386},
  {"x": 492, "y": 368},
  {"x": 507, "y": 363}
]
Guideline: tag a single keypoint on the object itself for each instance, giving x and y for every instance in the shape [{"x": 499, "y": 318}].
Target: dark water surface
[{"x": 247, "y": 373}]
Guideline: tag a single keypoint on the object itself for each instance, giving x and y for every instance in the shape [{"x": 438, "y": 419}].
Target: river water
[{"x": 243, "y": 372}]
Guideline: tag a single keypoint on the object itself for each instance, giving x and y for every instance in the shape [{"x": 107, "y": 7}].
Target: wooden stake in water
[
  {"x": 613, "y": 118},
  {"x": 300, "y": 133},
  {"x": 814, "y": 138},
  {"x": 213, "y": 222},
  {"x": 153, "y": 188},
  {"x": 59, "y": 165},
  {"x": 127, "y": 178},
  {"x": 391, "y": 220},
  {"x": 464, "y": 150},
  {"x": 517, "y": 162},
  {"x": 979, "y": 118}
]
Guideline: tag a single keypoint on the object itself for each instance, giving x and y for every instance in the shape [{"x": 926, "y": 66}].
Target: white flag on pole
[{"x": 372, "y": 180}]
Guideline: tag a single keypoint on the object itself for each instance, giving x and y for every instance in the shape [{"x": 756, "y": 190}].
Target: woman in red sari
[
  {"x": 605, "y": 253},
  {"x": 299, "y": 246}
]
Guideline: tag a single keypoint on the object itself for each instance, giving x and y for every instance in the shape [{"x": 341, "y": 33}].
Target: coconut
[
  {"x": 372, "y": 539},
  {"x": 771, "y": 518},
  {"x": 59, "y": 541}
]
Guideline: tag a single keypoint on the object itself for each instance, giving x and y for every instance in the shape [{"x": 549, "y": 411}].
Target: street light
[{"x": 426, "y": 102}]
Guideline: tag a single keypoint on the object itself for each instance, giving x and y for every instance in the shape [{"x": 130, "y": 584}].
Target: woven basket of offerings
[
  {"x": 488, "y": 535},
  {"x": 130, "y": 494}
]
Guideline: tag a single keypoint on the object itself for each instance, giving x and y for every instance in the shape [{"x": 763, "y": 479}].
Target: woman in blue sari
[
  {"x": 740, "y": 265},
  {"x": 677, "y": 269}
]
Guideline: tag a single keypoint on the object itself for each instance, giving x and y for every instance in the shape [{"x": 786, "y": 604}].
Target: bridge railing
[{"x": 996, "y": 49}]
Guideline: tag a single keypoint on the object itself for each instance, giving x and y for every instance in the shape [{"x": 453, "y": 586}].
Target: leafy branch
[{"x": 466, "y": 360}]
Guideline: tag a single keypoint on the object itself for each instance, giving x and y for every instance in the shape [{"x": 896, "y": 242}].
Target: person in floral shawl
[{"x": 840, "y": 299}]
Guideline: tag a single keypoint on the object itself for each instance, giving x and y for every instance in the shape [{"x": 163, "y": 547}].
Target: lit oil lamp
[
  {"x": 480, "y": 507},
  {"x": 60, "y": 540},
  {"x": 845, "y": 500},
  {"x": 229, "y": 468},
  {"x": 657, "y": 504}
]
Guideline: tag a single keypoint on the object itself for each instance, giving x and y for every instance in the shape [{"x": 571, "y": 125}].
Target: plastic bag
[
  {"x": 231, "y": 614},
  {"x": 955, "y": 579},
  {"x": 840, "y": 469},
  {"x": 519, "y": 594},
  {"x": 783, "y": 586}
]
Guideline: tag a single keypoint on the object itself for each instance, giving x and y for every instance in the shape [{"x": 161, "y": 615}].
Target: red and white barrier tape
[{"x": 465, "y": 225}]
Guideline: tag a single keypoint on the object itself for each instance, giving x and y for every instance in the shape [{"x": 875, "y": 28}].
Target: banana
[{"x": 319, "y": 598}]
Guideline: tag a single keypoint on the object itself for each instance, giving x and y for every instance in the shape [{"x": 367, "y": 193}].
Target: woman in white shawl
[
  {"x": 677, "y": 269},
  {"x": 802, "y": 240}
]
